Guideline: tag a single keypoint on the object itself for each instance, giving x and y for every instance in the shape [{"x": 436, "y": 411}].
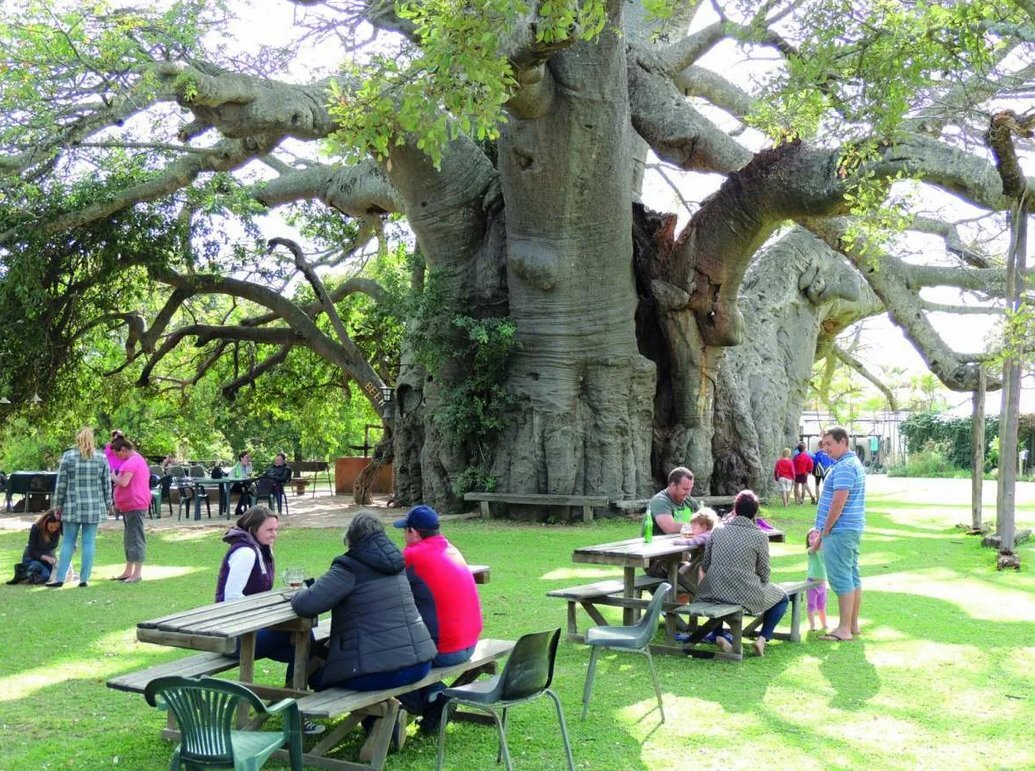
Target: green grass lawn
[{"x": 942, "y": 678}]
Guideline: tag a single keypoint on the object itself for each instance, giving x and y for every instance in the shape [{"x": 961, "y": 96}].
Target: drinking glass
[{"x": 294, "y": 577}]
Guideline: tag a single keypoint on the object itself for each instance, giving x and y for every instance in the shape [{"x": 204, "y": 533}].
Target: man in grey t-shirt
[{"x": 668, "y": 510}]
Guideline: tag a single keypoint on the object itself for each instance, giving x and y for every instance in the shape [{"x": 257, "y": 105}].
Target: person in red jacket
[
  {"x": 802, "y": 468},
  {"x": 783, "y": 473},
  {"x": 447, "y": 599}
]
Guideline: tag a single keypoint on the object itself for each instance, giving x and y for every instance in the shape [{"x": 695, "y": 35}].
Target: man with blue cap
[{"x": 446, "y": 596}]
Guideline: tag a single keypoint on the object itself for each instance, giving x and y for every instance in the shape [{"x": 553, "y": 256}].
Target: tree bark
[
  {"x": 582, "y": 422},
  {"x": 978, "y": 467}
]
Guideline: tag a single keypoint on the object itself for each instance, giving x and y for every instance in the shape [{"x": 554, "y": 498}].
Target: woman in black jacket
[
  {"x": 38, "y": 557},
  {"x": 377, "y": 637}
]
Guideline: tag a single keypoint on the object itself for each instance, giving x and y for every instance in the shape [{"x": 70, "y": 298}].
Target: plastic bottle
[{"x": 648, "y": 527}]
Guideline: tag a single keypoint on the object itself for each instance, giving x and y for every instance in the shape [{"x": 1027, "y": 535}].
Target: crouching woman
[{"x": 377, "y": 637}]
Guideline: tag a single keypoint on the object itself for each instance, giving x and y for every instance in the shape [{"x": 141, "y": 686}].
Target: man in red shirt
[
  {"x": 447, "y": 599},
  {"x": 802, "y": 468},
  {"x": 132, "y": 499}
]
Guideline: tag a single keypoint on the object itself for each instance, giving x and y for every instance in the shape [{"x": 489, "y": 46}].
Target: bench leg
[
  {"x": 736, "y": 622},
  {"x": 796, "y": 617},
  {"x": 587, "y": 513},
  {"x": 573, "y": 627},
  {"x": 486, "y": 514},
  {"x": 629, "y": 615},
  {"x": 375, "y": 749}
]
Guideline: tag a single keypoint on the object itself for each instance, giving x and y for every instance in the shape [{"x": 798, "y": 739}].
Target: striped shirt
[
  {"x": 847, "y": 473},
  {"x": 83, "y": 490}
]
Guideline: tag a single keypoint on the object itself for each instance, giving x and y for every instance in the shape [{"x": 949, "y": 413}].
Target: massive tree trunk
[
  {"x": 584, "y": 414},
  {"x": 798, "y": 296}
]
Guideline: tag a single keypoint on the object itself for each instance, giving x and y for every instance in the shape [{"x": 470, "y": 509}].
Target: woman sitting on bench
[
  {"x": 377, "y": 637},
  {"x": 247, "y": 569},
  {"x": 736, "y": 570}
]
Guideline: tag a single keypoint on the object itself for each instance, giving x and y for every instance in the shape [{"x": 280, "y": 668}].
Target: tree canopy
[{"x": 560, "y": 336}]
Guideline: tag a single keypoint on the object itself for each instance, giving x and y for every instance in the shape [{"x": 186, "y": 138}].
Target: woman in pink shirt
[{"x": 132, "y": 500}]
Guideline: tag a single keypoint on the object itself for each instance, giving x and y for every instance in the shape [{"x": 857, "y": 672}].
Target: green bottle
[{"x": 648, "y": 527}]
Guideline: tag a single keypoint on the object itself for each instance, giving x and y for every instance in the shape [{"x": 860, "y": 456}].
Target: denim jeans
[
  {"x": 37, "y": 570},
  {"x": 772, "y": 617},
  {"x": 277, "y": 646},
  {"x": 375, "y": 681},
  {"x": 68, "y": 541}
]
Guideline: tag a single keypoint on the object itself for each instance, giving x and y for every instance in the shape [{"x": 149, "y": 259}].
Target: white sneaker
[{"x": 309, "y": 728}]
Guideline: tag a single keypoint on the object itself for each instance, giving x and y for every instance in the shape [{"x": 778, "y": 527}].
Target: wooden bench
[
  {"x": 198, "y": 665},
  {"x": 335, "y": 702},
  {"x": 328, "y": 704},
  {"x": 733, "y": 615},
  {"x": 482, "y": 574},
  {"x": 608, "y": 592},
  {"x": 314, "y": 467},
  {"x": 587, "y": 502}
]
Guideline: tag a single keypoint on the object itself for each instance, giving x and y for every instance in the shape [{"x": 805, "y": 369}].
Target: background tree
[{"x": 513, "y": 140}]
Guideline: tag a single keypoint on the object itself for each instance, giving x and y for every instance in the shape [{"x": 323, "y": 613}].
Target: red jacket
[
  {"x": 784, "y": 469},
  {"x": 457, "y": 609},
  {"x": 802, "y": 463}
]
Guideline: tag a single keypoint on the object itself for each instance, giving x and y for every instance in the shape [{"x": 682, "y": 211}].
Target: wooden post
[{"x": 978, "y": 470}]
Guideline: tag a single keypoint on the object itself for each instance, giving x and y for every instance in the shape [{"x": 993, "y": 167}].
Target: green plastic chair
[
  {"x": 205, "y": 710},
  {"x": 526, "y": 676},
  {"x": 627, "y": 638}
]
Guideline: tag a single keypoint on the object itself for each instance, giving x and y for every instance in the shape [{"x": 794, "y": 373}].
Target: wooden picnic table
[
  {"x": 631, "y": 555},
  {"x": 215, "y": 630},
  {"x": 219, "y": 626},
  {"x": 224, "y": 484},
  {"x": 634, "y": 554}
]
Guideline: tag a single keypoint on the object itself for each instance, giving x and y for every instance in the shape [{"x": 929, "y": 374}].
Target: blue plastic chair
[
  {"x": 526, "y": 676},
  {"x": 205, "y": 710},
  {"x": 634, "y": 638}
]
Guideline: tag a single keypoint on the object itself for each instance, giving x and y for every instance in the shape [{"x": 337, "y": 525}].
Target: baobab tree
[{"x": 567, "y": 339}]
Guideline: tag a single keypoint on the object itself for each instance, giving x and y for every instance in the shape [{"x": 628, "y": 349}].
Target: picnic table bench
[
  {"x": 587, "y": 502},
  {"x": 607, "y": 592},
  {"x": 328, "y": 704},
  {"x": 314, "y": 467},
  {"x": 733, "y": 615}
]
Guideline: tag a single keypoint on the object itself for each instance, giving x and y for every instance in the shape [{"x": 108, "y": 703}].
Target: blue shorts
[{"x": 841, "y": 556}]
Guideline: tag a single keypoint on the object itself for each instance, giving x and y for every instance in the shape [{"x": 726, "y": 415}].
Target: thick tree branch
[
  {"x": 268, "y": 364},
  {"x": 884, "y": 274},
  {"x": 859, "y": 367}
]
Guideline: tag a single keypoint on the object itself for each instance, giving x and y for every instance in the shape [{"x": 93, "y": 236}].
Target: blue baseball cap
[{"x": 420, "y": 518}]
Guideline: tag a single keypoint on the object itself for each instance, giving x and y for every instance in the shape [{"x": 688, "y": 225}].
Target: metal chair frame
[
  {"x": 527, "y": 675},
  {"x": 635, "y": 638}
]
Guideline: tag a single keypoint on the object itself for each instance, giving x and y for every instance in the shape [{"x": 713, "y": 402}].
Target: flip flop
[{"x": 831, "y": 637}]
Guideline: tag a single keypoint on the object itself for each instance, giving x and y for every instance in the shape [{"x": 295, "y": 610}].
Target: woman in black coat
[
  {"x": 377, "y": 637},
  {"x": 736, "y": 569}
]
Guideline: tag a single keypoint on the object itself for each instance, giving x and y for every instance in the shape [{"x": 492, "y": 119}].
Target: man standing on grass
[{"x": 840, "y": 519}]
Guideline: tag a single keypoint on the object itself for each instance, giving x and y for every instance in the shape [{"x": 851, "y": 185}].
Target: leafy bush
[
  {"x": 932, "y": 461},
  {"x": 25, "y": 448}
]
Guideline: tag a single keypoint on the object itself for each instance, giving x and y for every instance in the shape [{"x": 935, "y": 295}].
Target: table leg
[
  {"x": 301, "y": 641},
  {"x": 629, "y": 615},
  {"x": 246, "y": 673},
  {"x": 197, "y": 502},
  {"x": 672, "y": 618}
]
